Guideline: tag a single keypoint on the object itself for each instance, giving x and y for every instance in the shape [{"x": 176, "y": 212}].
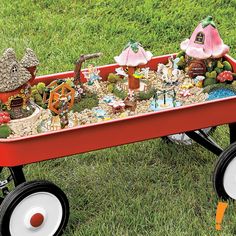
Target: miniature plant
[
  {"x": 37, "y": 93},
  {"x": 110, "y": 88},
  {"x": 211, "y": 75},
  {"x": 227, "y": 66},
  {"x": 146, "y": 95},
  {"x": 182, "y": 62},
  {"x": 3, "y": 107},
  {"x": 89, "y": 101},
  {"x": 5, "y": 130},
  {"x": 120, "y": 93},
  {"x": 41, "y": 87},
  {"x": 209, "y": 81},
  {"x": 113, "y": 78}
]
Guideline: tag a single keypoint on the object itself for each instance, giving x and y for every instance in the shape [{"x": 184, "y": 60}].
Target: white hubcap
[
  {"x": 38, "y": 214},
  {"x": 229, "y": 180},
  {"x": 182, "y": 138}
]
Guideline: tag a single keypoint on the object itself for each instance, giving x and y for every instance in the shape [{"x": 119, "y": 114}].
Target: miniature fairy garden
[{"x": 196, "y": 74}]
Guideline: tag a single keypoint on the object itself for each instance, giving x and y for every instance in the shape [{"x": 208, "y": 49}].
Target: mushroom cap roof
[
  {"x": 211, "y": 45},
  {"x": 29, "y": 59},
  {"x": 133, "y": 55},
  {"x": 12, "y": 74}
]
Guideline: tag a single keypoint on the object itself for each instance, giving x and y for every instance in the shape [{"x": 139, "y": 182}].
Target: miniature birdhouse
[
  {"x": 204, "y": 43},
  {"x": 132, "y": 57}
]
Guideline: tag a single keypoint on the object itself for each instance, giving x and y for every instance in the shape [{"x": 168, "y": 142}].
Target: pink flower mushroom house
[
  {"x": 204, "y": 44},
  {"x": 132, "y": 57}
]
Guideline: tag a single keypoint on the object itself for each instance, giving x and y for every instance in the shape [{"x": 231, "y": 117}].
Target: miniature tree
[{"x": 132, "y": 57}]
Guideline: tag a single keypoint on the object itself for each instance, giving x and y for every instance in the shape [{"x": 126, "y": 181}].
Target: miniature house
[
  {"x": 14, "y": 78},
  {"x": 205, "y": 43}
]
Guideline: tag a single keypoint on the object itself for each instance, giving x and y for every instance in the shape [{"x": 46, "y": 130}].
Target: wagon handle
[{"x": 79, "y": 62}]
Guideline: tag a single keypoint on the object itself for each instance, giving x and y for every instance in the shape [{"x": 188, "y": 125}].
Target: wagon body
[{"x": 20, "y": 151}]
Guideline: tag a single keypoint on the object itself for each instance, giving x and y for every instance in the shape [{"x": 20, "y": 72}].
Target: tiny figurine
[
  {"x": 63, "y": 111},
  {"x": 130, "y": 101},
  {"x": 117, "y": 106},
  {"x": 92, "y": 75},
  {"x": 108, "y": 99},
  {"x": 78, "y": 66},
  {"x": 185, "y": 93},
  {"x": 100, "y": 113},
  {"x": 120, "y": 71},
  {"x": 169, "y": 73},
  {"x": 187, "y": 85},
  {"x": 132, "y": 57},
  {"x": 198, "y": 81}
]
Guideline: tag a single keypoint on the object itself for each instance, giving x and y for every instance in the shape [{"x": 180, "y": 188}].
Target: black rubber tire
[
  {"x": 218, "y": 175},
  {"x": 21, "y": 192}
]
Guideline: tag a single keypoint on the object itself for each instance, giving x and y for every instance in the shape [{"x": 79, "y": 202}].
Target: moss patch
[{"x": 88, "y": 101}]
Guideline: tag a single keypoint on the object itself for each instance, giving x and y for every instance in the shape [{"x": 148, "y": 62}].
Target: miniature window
[
  {"x": 14, "y": 69},
  {"x": 200, "y": 38}
]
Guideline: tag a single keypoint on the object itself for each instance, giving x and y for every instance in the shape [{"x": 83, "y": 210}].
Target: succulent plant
[
  {"x": 220, "y": 65},
  {"x": 227, "y": 66},
  {"x": 209, "y": 81},
  {"x": 5, "y": 131},
  {"x": 211, "y": 75},
  {"x": 113, "y": 78},
  {"x": 41, "y": 87},
  {"x": 218, "y": 70},
  {"x": 110, "y": 88}
]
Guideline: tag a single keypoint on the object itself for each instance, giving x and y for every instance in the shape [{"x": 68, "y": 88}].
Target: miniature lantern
[
  {"x": 204, "y": 43},
  {"x": 30, "y": 62},
  {"x": 133, "y": 56},
  {"x": 14, "y": 88}
]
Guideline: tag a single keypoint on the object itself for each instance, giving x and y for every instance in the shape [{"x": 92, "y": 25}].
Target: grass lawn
[{"x": 147, "y": 188}]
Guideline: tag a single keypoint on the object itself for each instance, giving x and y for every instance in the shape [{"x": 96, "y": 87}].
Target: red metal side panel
[{"x": 117, "y": 132}]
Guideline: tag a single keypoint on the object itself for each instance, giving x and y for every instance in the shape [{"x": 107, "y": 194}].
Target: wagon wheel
[
  {"x": 60, "y": 92},
  {"x": 34, "y": 208},
  {"x": 224, "y": 176},
  {"x": 183, "y": 139}
]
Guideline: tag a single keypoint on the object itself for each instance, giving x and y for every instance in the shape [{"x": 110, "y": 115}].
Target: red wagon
[{"x": 41, "y": 208}]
